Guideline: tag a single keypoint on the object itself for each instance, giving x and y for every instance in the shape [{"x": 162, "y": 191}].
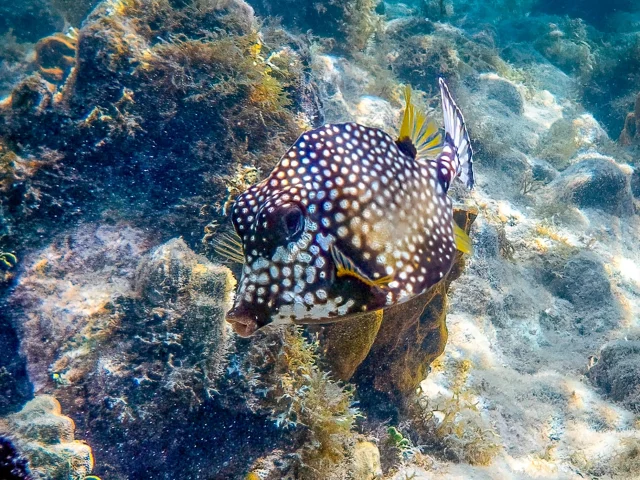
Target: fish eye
[{"x": 292, "y": 220}]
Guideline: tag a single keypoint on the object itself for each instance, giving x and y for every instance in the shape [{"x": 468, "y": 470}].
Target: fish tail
[{"x": 457, "y": 137}]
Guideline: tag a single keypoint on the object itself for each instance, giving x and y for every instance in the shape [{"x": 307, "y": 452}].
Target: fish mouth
[{"x": 242, "y": 323}]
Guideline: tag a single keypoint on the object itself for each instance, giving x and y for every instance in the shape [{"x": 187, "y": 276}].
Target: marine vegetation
[
  {"x": 293, "y": 389},
  {"x": 453, "y": 426},
  {"x": 138, "y": 69},
  {"x": 346, "y": 24}
]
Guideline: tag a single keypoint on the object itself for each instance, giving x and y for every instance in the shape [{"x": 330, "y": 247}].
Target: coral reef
[{"x": 46, "y": 439}]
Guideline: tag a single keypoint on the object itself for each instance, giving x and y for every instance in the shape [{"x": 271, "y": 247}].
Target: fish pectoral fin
[
  {"x": 462, "y": 240},
  {"x": 345, "y": 267},
  {"x": 383, "y": 281}
]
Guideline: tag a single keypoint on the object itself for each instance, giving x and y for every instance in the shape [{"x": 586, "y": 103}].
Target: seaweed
[
  {"x": 289, "y": 385},
  {"x": 453, "y": 423}
]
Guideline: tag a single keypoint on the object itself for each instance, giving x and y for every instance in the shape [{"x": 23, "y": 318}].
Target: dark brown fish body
[{"x": 349, "y": 221}]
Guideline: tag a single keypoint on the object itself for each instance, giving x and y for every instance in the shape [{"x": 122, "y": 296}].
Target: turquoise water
[{"x": 339, "y": 239}]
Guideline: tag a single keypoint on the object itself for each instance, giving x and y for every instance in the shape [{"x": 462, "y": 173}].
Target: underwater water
[{"x": 328, "y": 239}]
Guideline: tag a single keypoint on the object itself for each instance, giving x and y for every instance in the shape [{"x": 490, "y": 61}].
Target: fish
[{"x": 351, "y": 221}]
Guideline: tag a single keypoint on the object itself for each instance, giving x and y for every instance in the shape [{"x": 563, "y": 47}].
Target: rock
[
  {"x": 132, "y": 343},
  {"x": 635, "y": 183},
  {"x": 350, "y": 24},
  {"x": 567, "y": 139},
  {"x": 46, "y": 439},
  {"x": 617, "y": 372},
  {"x": 366, "y": 461},
  {"x": 376, "y": 112},
  {"x": 543, "y": 172},
  {"x": 502, "y": 90},
  {"x": 584, "y": 282},
  {"x": 66, "y": 298},
  {"x": 486, "y": 241},
  {"x": 594, "y": 182}
]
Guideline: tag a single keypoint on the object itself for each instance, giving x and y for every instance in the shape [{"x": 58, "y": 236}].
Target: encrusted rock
[
  {"x": 584, "y": 282},
  {"x": 46, "y": 439},
  {"x": 131, "y": 344},
  {"x": 502, "y": 90},
  {"x": 594, "y": 182},
  {"x": 618, "y": 370}
]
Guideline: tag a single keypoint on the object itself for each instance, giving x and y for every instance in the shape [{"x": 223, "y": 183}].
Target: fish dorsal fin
[
  {"x": 346, "y": 267},
  {"x": 421, "y": 131},
  {"x": 462, "y": 240}
]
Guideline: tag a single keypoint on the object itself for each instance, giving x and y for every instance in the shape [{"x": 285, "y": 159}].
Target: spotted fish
[{"x": 351, "y": 221}]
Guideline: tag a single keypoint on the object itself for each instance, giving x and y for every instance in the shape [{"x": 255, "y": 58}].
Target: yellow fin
[
  {"x": 463, "y": 242},
  {"x": 421, "y": 130},
  {"x": 346, "y": 267}
]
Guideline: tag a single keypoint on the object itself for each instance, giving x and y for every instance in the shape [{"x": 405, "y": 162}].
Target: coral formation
[{"x": 46, "y": 439}]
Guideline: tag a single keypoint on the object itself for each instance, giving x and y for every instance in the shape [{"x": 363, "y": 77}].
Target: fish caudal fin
[
  {"x": 418, "y": 131},
  {"x": 456, "y": 136}
]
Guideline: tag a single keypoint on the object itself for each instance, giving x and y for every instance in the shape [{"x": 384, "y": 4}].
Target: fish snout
[{"x": 243, "y": 322}]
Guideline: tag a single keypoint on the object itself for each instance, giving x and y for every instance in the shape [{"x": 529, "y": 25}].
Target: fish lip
[{"x": 243, "y": 325}]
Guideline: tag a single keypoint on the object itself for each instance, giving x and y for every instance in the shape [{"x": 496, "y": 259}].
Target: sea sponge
[
  {"x": 46, "y": 439},
  {"x": 410, "y": 337}
]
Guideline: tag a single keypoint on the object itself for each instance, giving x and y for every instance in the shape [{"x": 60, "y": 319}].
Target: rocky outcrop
[
  {"x": 45, "y": 438},
  {"x": 132, "y": 343}
]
